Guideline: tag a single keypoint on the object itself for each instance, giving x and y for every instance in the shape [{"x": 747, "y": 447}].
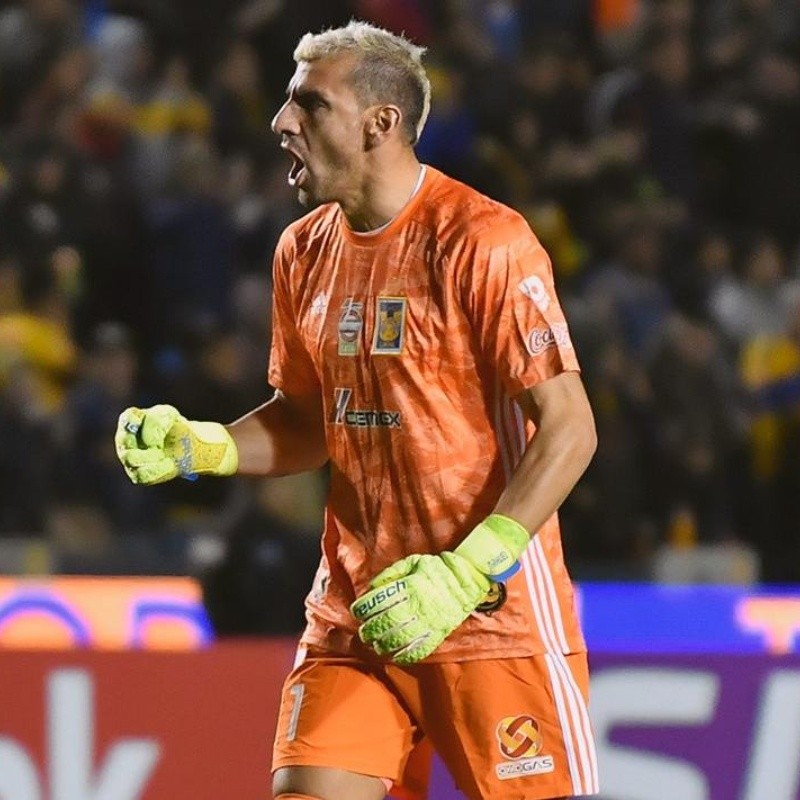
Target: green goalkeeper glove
[
  {"x": 417, "y": 602},
  {"x": 157, "y": 444}
]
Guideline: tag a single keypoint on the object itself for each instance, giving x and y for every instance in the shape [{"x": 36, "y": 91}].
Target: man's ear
[{"x": 382, "y": 123}]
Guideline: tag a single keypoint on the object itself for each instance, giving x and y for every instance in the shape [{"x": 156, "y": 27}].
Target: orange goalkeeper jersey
[{"x": 418, "y": 337}]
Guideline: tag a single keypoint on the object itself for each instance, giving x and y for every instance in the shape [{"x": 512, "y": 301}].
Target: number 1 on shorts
[{"x": 297, "y": 691}]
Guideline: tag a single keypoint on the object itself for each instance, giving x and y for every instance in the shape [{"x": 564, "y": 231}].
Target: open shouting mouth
[{"x": 297, "y": 170}]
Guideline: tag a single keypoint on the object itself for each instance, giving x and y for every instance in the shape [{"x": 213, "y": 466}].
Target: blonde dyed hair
[{"x": 388, "y": 70}]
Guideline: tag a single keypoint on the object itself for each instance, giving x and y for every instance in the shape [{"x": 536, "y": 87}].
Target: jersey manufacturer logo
[
  {"x": 390, "y": 325},
  {"x": 520, "y": 742},
  {"x": 319, "y": 305},
  {"x": 534, "y": 289},
  {"x": 351, "y": 321},
  {"x": 541, "y": 339},
  {"x": 361, "y": 418}
]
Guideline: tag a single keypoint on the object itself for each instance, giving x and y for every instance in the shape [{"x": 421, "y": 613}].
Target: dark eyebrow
[{"x": 307, "y": 97}]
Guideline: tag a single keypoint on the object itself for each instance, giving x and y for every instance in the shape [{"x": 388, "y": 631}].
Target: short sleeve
[
  {"x": 510, "y": 298},
  {"x": 291, "y": 368}
]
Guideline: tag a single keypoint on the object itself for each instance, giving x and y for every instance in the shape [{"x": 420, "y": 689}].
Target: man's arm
[
  {"x": 414, "y": 604},
  {"x": 557, "y": 455},
  {"x": 284, "y": 436}
]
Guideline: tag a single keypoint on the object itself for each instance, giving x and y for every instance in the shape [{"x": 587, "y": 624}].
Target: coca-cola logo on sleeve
[{"x": 544, "y": 338}]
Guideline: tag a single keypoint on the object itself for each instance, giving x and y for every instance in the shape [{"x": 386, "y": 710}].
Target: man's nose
[{"x": 283, "y": 121}]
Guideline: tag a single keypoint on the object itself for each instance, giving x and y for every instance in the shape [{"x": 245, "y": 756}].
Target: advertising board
[
  {"x": 87, "y": 725},
  {"x": 93, "y": 725},
  {"x": 113, "y": 689}
]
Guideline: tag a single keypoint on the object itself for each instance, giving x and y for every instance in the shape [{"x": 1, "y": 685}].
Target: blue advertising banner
[
  {"x": 167, "y": 613},
  {"x": 647, "y": 618}
]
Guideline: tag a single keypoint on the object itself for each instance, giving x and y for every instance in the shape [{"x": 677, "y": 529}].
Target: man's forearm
[
  {"x": 280, "y": 437},
  {"x": 551, "y": 466},
  {"x": 556, "y": 456}
]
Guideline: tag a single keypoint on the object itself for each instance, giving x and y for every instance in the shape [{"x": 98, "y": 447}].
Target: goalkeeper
[{"x": 419, "y": 347}]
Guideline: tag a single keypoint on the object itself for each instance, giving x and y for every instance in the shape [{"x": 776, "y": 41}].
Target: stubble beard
[{"x": 311, "y": 197}]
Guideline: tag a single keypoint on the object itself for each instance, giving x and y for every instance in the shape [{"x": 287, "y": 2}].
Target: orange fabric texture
[
  {"x": 528, "y": 737},
  {"x": 418, "y": 337}
]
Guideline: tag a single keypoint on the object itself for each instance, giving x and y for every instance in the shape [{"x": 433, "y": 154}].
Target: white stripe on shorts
[{"x": 570, "y": 705}]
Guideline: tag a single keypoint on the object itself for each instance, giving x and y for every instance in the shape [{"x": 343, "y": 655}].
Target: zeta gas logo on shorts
[
  {"x": 519, "y": 737},
  {"x": 520, "y": 740}
]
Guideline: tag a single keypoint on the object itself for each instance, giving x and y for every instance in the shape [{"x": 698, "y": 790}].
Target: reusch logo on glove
[{"x": 380, "y": 597}]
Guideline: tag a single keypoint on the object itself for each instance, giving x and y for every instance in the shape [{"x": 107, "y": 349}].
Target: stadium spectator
[
  {"x": 109, "y": 376},
  {"x": 698, "y": 426},
  {"x": 271, "y": 553},
  {"x": 38, "y": 359}
]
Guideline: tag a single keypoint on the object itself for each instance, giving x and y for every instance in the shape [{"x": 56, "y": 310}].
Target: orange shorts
[{"x": 507, "y": 729}]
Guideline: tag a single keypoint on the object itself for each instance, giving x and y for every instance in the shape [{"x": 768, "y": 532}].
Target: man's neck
[{"x": 384, "y": 195}]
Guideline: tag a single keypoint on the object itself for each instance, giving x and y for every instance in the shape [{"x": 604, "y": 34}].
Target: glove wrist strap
[
  {"x": 494, "y": 546},
  {"x": 213, "y": 450}
]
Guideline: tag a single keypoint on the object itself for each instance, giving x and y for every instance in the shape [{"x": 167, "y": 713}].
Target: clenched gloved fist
[
  {"x": 157, "y": 444},
  {"x": 417, "y": 602}
]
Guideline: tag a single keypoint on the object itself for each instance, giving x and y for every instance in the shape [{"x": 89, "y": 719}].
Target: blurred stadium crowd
[{"x": 653, "y": 146}]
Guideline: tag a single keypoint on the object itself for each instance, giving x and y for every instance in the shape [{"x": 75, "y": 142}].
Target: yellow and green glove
[
  {"x": 416, "y": 603},
  {"x": 157, "y": 444}
]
